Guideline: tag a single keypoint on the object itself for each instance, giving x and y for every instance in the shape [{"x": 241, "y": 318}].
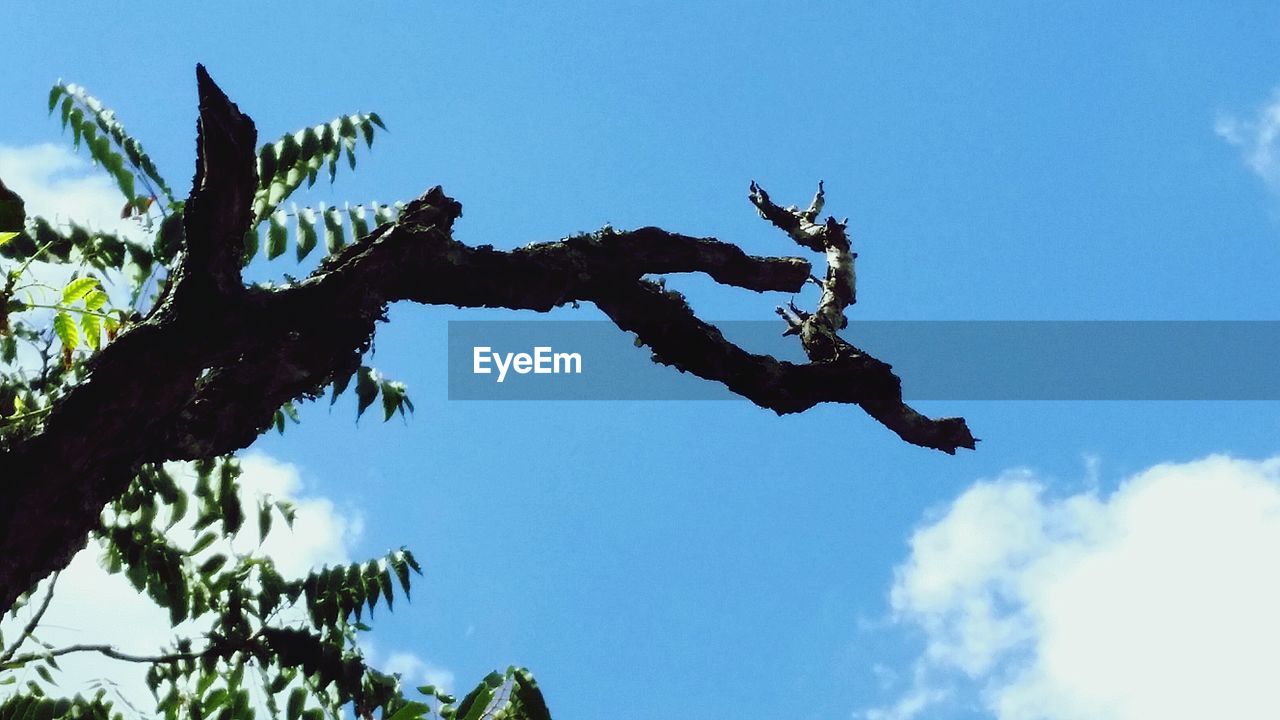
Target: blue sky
[{"x": 998, "y": 160}]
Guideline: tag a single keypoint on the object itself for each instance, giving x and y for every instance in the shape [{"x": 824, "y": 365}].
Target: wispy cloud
[
  {"x": 1258, "y": 139},
  {"x": 60, "y": 185},
  {"x": 1158, "y": 600},
  {"x": 412, "y": 669}
]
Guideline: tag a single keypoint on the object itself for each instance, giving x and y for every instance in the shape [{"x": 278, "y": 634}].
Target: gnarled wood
[{"x": 205, "y": 373}]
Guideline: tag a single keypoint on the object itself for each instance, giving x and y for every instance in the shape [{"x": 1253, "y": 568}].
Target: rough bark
[{"x": 205, "y": 372}]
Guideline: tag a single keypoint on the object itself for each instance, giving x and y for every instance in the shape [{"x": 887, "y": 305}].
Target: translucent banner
[{"x": 937, "y": 360}]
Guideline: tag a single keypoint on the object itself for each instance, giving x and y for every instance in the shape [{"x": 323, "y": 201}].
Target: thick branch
[
  {"x": 204, "y": 374},
  {"x": 57, "y": 481}
]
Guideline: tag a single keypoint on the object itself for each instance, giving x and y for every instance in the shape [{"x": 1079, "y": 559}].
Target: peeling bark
[{"x": 206, "y": 371}]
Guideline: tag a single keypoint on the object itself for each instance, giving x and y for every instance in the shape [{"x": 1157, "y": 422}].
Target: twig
[{"x": 35, "y": 620}]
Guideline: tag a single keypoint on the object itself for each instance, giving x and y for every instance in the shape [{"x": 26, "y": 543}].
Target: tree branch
[
  {"x": 204, "y": 374},
  {"x": 107, "y": 651},
  {"x": 31, "y": 625},
  {"x": 217, "y": 215}
]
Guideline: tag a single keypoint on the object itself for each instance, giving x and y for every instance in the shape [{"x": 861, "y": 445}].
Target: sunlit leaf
[
  {"x": 277, "y": 235},
  {"x": 78, "y": 288},
  {"x": 366, "y": 389},
  {"x": 334, "y": 238},
  {"x": 68, "y": 333},
  {"x": 359, "y": 227},
  {"x": 307, "y": 237},
  {"x": 91, "y": 324}
]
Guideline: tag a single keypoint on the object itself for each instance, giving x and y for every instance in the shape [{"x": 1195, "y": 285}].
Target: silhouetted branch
[{"x": 204, "y": 374}]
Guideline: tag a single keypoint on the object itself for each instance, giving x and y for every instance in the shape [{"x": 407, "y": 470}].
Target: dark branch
[
  {"x": 205, "y": 373},
  {"x": 217, "y": 216}
]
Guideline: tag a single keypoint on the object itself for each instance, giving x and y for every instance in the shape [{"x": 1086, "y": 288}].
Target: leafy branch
[{"x": 98, "y": 127}]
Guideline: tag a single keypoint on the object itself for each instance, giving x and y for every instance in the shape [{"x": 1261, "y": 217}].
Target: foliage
[{"x": 68, "y": 291}]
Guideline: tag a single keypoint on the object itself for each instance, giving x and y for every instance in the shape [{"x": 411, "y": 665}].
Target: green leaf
[
  {"x": 411, "y": 711},
  {"x": 205, "y": 541},
  {"x": 287, "y": 151},
  {"x": 92, "y": 326},
  {"x": 251, "y": 241},
  {"x": 367, "y": 129},
  {"x": 229, "y": 498},
  {"x": 307, "y": 238},
  {"x": 309, "y": 144},
  {"x": 371, "y": 584},
  {"x": 268, "y": 163},
  {"x": 333, "y": 236},
  {"x": 65, "y": 327},
  {"x": 402, "y": 571},
  {"x": 411, "y": 561},
  {"x": 277, "y": 191},
  {"x": 473, "y": 705},
  {"x": 340, "y": 384},
  {"x": 79, "y": 288},
  {"x": 87, "y": 115},
  {"x": 395, "y": 398},
  {"x": 170, "y": 238},
  {"x": 358, "y": 589},
  {"x": 297, "y": 699},
  {"x": 179, "y": 509},
  {"x": 215, "y": 699},
  {"x": 13, "y": 214},
  {"x": 277, "y": 236},
  {"x": 95, "y": 300},
  {"x": 264, "y": 522},
  {"x": 383, "y": 214},
  {"x": 328, "y": 148},
  {"x": 384, "y": 583},
  {"x": 366, "y": 388},
  {"x": 526, "y": 691},
  {"x": 213, "y": 564},
  {"x": 359, "y": 227}
]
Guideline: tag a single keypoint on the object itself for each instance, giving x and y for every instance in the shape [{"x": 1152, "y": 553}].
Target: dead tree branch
[{"x": 206, "y": 371}]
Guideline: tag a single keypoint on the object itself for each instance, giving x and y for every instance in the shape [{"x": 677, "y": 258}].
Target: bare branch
[
  {"x": 108, "y": 651},
  {"x": 31, "y": 625},
  {"x": 204, "y": 374}
]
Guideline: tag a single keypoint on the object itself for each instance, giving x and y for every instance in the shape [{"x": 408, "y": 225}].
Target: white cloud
[
  {"x": 411, "y": 668},
  {"x": 91, "y": 606},
  {"x": 1258, "y": 139},
  {"x": 320, "y": 533},
  {"x": 1159, "y": 600},
  {"x": 60, "y": 185}
]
